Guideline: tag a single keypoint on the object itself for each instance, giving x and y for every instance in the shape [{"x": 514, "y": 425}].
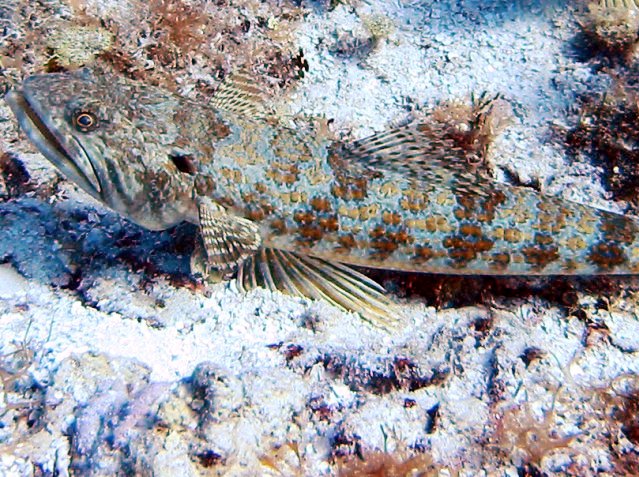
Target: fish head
[{"x": 114, "y": 138}]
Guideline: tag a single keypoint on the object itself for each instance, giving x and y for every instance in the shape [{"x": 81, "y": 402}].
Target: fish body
[
  {"x": 288, "y": 208},
  {"x": 311, "y": 197}
]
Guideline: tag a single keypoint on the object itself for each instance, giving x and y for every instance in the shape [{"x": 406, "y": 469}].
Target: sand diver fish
[{"x": 292, "y": 211}]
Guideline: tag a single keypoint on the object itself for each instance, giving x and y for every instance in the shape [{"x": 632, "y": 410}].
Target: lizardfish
[{"x": 291, "y": 210}]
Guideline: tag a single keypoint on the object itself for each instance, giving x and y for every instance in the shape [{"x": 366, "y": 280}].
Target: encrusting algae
[
  {"x": 78, "y": 45},
  {"x": 612, "y": 25}
]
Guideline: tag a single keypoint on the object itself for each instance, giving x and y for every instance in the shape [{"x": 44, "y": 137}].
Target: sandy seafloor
[{"x": 109, "y": 368}]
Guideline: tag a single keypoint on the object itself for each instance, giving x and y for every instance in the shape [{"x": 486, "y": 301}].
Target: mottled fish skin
[{"x": 152, "y": 154}]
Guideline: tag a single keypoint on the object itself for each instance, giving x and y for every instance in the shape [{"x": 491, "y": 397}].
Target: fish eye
[{"x": 85, "y": 121}]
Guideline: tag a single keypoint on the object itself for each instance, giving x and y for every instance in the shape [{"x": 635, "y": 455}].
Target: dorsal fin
[
  {"x": 445, "y": 147},
  {"x": 239, "y": 94},
  {"x": 309, "y": 277},
  {"x": 419, "y": 151},
  {"x": 405, "y": 148}
]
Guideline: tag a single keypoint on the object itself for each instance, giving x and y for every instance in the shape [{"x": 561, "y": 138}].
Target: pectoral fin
[
  {"x": 227, "y": 240},
  {"x": 309, "y": 277},
  {"x": 232, "y": 243}
]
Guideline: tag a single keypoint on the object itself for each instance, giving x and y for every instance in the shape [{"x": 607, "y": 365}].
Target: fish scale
[{"x": 291, "y": 209}]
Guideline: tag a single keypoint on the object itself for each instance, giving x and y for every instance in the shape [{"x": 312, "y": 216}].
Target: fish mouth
[{"x": 65, "y": 152}]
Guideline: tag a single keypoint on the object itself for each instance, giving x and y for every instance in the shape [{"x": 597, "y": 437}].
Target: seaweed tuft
[
  {"x": 608, "y": 131},
  {"x": 470, "y": 127},
  {"x": 14, "y": 177},
  {"x": 176, "y": 28},
  {"x": 611, "y": 28},
  {"x": 378, "y": 463},
  {"x": 526, "y": 439}
]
